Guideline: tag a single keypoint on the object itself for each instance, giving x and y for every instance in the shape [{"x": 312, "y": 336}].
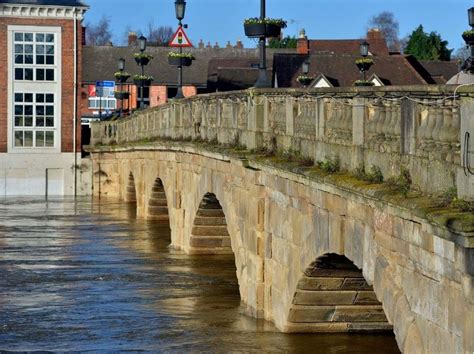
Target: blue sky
[{"x": 221, "y": 20}]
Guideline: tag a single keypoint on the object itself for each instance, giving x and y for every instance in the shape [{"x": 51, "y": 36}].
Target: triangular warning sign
[{"x": 180, "y": 39}]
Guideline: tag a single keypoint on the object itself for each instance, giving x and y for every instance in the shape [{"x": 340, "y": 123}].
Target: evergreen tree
[
  {"x": 427, "y": 46},
  {"x": 287, "y": 42}
]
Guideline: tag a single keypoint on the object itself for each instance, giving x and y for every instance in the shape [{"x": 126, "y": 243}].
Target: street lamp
[
  {"x": 364, "y": 63},
  {"x": 142, "y": 43},
  {"x": 121, "y": 67},
  {"x": 306, "y": 67},
  {"x": 142, "y": 46},
  {"x": 263, "y": 79},
  {"x": 468, "y": 37},
  {"x": 180, "y": 9},
  {"x": 364, "y": 49}
]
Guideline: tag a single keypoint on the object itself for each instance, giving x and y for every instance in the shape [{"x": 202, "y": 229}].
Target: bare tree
[
  {"x": 388, "y": 25},
  {"x": 462, "y": 54},
  {"x": 99, "y": 34},
  {"x": 159, "y": 36}
]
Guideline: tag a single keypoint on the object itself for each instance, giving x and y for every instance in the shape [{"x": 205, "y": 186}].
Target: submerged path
[{"x": 79, "y": 275}]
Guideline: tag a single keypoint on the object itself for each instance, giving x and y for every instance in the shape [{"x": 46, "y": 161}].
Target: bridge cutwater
[{"x": 315, "y": 251}]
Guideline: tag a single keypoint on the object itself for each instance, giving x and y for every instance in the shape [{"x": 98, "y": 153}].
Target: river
[{"x": 78, "y": 275}]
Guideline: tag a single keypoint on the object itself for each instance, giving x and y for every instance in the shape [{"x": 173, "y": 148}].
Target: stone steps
[
  {"x": 350, "y": 313},
  {"x": 209, "y": 242},
  {"x": 158, "y": 205},
  {"x": 209, "y": 234},
  {"x": 333, "y": 296},
  {"x": 210, "y": 220},
  {"x": 210, "y": 230},
  {"x": 158, "y": 202},
  {"x": 210, "y": 213}
]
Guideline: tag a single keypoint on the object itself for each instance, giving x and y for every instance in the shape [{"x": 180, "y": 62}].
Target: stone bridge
[{"x": 317, "y": 248}]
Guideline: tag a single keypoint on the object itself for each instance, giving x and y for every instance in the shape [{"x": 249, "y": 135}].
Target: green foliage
[
  {"x": 374, "y": 175},
  {"x": 287, "y": 42},
  {"x": 330, "y": 165},
  {"x": 143, "y": 56},
  {"x": 292, "y": 155},
  {"x": 270, "y": 21},
  {"x": 450, "y": 199},
  {"x": 364, "y": 61},
  {"x": 180, "y": 55},
  {"x": 427, "y": 46},
  {"x": 402, "y": 183}
]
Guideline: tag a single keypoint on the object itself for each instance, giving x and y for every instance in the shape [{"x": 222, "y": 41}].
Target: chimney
[
  {"x": 374, "y": 34},
  {"x": 239, "y": 44},
  {"x": 201, "y": 44},
  {"x": 302, "y": 46},
  {"x": 132, "y": 39}
]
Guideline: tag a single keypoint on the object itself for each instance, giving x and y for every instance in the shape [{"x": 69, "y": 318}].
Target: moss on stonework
[{"x": 423, "y": 206}]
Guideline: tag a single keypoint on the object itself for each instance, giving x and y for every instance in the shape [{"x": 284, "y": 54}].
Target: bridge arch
[
  {"x": 158, "y": 203},
  {"x": 209, "y": 234},
  {"x": 131, "y": 191},
  {"x": 333, "y": 295}
]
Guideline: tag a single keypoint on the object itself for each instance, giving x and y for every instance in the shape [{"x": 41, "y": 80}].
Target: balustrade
[{"x": 255, "y": 117}]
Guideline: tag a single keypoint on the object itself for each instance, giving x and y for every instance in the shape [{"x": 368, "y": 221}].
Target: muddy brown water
[{"x": 79, "y": 275}]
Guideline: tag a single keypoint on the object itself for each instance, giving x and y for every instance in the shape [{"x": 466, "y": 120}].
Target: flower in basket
[
  {"x": 304, "y": 79},
  {"x": 143, "y": 56},
  {"x": 266, "y": 21},
  {"x": 121, "y": 74},
  {"x": 364, "y": 61},
  {"x": 180, "y": 55},
  {"x": 143, "y": 77},
  {"x": 363, "y": 83}
]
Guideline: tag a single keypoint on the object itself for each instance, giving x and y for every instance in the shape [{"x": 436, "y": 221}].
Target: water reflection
[{"x": 88, "y": 276}]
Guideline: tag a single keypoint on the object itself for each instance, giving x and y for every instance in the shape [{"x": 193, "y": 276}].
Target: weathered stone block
[{"x": 303, "y": 297}]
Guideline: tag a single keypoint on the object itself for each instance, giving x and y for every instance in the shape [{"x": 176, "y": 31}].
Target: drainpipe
[{"x": 74, "y": 143}]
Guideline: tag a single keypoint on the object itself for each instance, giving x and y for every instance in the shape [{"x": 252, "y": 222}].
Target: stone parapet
[{"x": 417, "y": 128}]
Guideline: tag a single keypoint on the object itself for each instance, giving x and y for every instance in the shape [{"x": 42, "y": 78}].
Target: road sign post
[{"x": 180, "y": 40}]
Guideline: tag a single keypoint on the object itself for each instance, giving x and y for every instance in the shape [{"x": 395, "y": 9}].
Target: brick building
[{"x": 40, "y": 68}]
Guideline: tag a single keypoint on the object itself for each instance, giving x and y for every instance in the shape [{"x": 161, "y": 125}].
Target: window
[
  {"x": 34, "y": 56},
  {"x": 34, "y": 125},
  {"x": 103, "y": 103}
]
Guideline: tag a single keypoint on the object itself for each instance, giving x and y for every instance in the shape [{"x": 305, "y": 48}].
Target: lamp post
[
  {"x": 142, "y": 46},
  {"x": 180, "y": 9},
  {"x": 364, "y": 52},
  {"x": 263, "y": 79},
  {"x": 121, "y": 67},
  {"x": 468, "y": 37}
]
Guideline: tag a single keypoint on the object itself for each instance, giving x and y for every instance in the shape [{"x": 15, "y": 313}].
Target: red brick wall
[{"x": 67, "y": 104}]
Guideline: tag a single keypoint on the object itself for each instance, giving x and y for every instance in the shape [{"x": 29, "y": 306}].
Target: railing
[{"x": 390, "y": 127}]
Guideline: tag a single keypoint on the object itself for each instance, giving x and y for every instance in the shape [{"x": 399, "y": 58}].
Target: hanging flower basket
[
  {"x": 468, "y": 37},
  {"x": 268, "y": 27},
  {"x": 304, "y": 80},
  {"x": 180, "y": 59},
  {"x": 142, "y": 58},
  {"x": 122, "y": 95},
  {"x": 140, "y": 80},
  {"x": 121, "y": 76},
  {"x": 363, "y": 83},
  {"x": 364, "y": 64}
]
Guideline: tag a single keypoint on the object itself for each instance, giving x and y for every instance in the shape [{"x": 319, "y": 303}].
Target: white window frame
[
  {"x": 104, "y": 102},
  {"x": 35, "y": 87}
]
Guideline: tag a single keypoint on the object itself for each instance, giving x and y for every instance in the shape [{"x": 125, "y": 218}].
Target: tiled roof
[
  {"x": 347, "y": 46},
  {"x": 440, "y": 71},
  {"x": 78, "y": 3},
  {"x": 342, "y": 71},
  {"x": 100, "y": 63}
]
